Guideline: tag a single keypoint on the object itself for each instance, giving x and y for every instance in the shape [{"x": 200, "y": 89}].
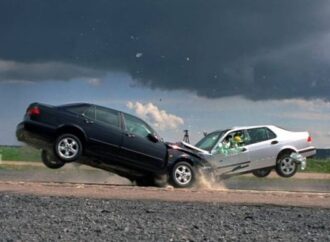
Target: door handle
[
  {"x": 274, "y": 142},
  {"x": 129, "y": 135},
  {"x": 87, "y": 121},
  {"x": 244, "y": 149}
]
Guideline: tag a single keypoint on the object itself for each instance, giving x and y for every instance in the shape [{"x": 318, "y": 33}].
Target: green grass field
[
  {"x": 26, "y": 153},
  {"x": 23, "y": 153},
  {"x": 316, "y": 165}
]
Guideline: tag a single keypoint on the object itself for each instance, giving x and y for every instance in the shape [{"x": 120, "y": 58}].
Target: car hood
[{"x": 188, "y": 148}]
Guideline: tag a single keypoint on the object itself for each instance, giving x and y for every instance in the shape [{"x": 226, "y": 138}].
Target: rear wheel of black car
[
  {"x": 262, "y": 172},
  {"x": 50, "y": 160},
  {"x": 286, "y": 166},
  {"x": 68, "y": 147},
  {"x": 183, "y": 175}
]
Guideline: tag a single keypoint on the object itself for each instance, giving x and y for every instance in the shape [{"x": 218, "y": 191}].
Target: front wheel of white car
[{"x": 286, "y": 166}]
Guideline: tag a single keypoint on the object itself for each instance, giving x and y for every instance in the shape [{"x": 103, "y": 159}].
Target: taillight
[
  {"x": 309, "y": 139},
  {"x": 34, "y": 111}
]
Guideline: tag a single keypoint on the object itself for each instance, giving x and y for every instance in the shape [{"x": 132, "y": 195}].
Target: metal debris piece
[{"x": 300, "y": 159}]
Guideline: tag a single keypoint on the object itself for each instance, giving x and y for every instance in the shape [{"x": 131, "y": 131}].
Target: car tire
[
  {"x": 286, "y": 166},
  {"x": 183, "y": 175},
  {"x": 262, "y": 172},
  {"x": 68, "y": 147},
  {"x": 50, "y": 160}
]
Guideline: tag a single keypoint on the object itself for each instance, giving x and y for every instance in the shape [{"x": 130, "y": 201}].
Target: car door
[
  {"x": 138, "y": 148},
  {"x": 229, "y": 156},
  {"x": 263, "y": 147},
  {"x": 103, "y": 129}
]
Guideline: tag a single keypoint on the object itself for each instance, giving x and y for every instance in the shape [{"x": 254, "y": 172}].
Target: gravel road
[{"x": 44, "y": 218}]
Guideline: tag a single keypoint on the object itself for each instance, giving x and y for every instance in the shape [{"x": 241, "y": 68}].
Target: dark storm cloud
[
  {"x": 18, "y": 71},
  {"x": 258, "y": 49}
]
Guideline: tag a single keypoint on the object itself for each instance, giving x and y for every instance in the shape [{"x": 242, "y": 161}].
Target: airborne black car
[{"x": 108, "y": 139}]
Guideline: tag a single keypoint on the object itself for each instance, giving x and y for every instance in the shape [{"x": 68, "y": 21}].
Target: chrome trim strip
[{"x": 236, "y": 164}]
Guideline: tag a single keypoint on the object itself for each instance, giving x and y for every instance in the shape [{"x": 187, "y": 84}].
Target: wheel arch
[
  {"x": 286, "y": 150},
  {"x": 72, "y": 129},
  {"x": 182, "y": 159}
]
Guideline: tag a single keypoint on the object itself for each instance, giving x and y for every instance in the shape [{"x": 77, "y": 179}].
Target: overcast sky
[{"x": 200, "y": 65}]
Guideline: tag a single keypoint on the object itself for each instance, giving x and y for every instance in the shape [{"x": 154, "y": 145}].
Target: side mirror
[{"x": 153, "y": 138}]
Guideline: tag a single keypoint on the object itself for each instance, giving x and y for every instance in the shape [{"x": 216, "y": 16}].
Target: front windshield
[{"x": 208, "y": 142}]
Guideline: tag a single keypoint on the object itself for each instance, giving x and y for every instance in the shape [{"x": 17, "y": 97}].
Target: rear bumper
[
  {"x": 27, "y": 134},
  {"x": 308, "y": 152},
  {"x": 20, "y": 132}
]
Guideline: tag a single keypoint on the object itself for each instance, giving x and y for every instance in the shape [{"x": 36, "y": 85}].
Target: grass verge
[
  {"x": 316, "y": 165},
  {"x": 22, "y": 153}
]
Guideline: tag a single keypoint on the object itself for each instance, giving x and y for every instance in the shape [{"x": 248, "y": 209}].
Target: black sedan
[{"x": 108, "y": 139}]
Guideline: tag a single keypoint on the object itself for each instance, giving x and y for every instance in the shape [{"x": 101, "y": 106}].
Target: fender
[
  {"x": 70, "y": 126},
  {"x": 177, "y": 153},
  {"x": 288, "y": 147}
]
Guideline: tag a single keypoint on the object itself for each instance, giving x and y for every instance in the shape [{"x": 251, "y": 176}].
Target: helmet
[{"x": 237, "y": 138}]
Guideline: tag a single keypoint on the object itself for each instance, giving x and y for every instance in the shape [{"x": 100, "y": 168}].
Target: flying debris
[{"x": 139, "y": 55}]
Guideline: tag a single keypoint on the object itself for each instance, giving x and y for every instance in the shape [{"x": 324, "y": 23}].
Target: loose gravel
[{"x": 33, "y": 218}]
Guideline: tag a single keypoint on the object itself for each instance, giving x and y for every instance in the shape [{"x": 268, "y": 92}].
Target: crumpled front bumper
[{"x": 299, "y": 159}]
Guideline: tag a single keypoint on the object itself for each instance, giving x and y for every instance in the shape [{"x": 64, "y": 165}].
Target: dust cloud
[{"x": 210, "y": 183}]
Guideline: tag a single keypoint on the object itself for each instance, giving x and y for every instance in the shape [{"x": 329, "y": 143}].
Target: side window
[
  {"x": 271, "y": 134},
  {"x": 236, "y": 138},
  {"x": 137, "y": 126},
  {"x": 260, "y": 134},
  {"x": 107, "y": 117},
  {"x": 232, "y": 143}
]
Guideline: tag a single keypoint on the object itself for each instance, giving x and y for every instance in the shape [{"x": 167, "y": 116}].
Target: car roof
[
  {"x": 245, "y": 127},
  {"x": 251, "y": 127},
  {"x": 75, "y": 104},
  {"x": 95, "y": 105}
]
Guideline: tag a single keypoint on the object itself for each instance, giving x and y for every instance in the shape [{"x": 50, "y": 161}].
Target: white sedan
[{"x": 256, "y": 149}]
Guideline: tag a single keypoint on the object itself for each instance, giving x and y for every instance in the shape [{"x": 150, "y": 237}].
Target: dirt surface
[
  {"x": 310, "y": 182},
  {"x": 298, "y": 175},
  {"x": 83, "y": 181}
]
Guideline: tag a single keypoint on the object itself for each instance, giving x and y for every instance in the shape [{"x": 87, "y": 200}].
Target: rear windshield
[{"x": 78, "y": 109}]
